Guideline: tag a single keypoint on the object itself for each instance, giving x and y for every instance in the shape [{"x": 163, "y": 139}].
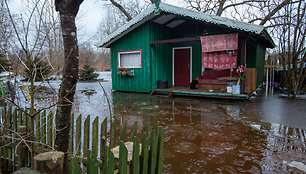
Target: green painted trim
[{"x": 205, "y": 93}]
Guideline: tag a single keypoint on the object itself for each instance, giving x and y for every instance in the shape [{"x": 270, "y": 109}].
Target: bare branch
[
  {"x": 122, "y": 9},
  {"x": 275, "y": 10}
]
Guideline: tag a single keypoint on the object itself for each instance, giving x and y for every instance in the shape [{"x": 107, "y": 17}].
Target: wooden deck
[{"x": 186, "y": 91}]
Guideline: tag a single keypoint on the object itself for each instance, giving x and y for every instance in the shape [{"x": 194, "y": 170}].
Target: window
[{"x": 129, "y": 59}]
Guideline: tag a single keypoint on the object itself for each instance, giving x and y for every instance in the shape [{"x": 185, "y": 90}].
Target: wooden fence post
[
  {"x": 133, "y": 131},
  {"x": 135, "y": 157},
  {"x": 94, "y": 139},
  {"x": 92, "y": 164},
  {"x": 44, "y": 131},
  {"x": 113, "y": 129},
  {"x": 74, "y": 166},
  {"x": 103, "y": 139},
  {"x": 160, "y": 134},
  {"x": 86, "y": 136},
  {"x": 150, "y": 160},
  {"x": 144, "y": 154},
  {"x": 71, "y": 135},
  {"x": 109, "y": 161},
  {"x": 38, "y": 130},
  {"x": 50, "y": 128},
  {"x": 123, "y": 158},
  {"x": 153, "y": 152},
  {"x": 22, "y": 150},
  {"x": 78, "y": 135},
  {"x": 123, "y": 131}
]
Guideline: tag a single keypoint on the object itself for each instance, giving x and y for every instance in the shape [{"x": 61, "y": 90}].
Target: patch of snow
[
  {"x": 301, "y": 96},
  {"x": 298, "y": 165},
  {"x": 105, "y": 75},
  {"x": 255, "y": 126},
  {"x": 4, "y": 74}
]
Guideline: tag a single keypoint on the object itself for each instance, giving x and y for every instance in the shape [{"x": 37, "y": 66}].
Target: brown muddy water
[
  {"x": 222, "y": 136},
  {"x": 263, "y": 135}
]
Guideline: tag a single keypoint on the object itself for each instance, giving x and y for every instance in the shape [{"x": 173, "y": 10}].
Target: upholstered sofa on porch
[{"x": 216, "y": 80}]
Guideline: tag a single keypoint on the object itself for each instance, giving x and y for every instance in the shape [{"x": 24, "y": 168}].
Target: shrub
[{"x": 88, "y": 74}]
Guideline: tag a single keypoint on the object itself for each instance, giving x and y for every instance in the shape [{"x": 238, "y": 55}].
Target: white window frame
[{"x": 129, "y": 52}]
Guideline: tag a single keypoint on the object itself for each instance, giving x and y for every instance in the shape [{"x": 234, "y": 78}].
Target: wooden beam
[
  {"x": 188, "y": 39},
  {"x": 243, "y": 51}
]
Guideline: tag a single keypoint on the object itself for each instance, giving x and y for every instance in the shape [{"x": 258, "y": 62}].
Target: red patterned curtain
[{"x": 219, "y": 51}]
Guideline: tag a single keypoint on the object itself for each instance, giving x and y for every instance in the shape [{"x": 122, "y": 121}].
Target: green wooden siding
[
  {"x": 256, "y": 59},
  {"x": 260, "y": 62},
  {"x": 157, "y": 59},
  {"x": 137, "y": 40},
  {"x": 161, "y": 55}
]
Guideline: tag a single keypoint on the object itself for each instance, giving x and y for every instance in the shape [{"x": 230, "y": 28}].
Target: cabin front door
[{"x": 181, "y": 66}]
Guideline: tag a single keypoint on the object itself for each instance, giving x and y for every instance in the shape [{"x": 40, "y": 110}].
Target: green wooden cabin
[{"x": 146, "y": 46}]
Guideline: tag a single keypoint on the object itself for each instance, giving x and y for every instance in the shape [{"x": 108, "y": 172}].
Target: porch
[{"x": 186, "y": 91}]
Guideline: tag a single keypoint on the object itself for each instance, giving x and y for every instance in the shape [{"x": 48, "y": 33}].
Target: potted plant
[{"x": 241, "y": 70}]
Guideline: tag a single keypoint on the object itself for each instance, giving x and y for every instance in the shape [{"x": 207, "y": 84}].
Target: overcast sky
[
  {"x": 90, "y": 15},
  {"x": 88, "y": 18}
]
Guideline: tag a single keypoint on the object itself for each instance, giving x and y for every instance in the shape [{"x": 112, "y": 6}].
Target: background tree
[
  {"x": 291, "y": 38},
  {"x": 68, "y": 9},
  {"x": 120, "y": 12},
  {"x": 29, "y": 45},
  {"x": 6, "y": 32},
  {"x": 88, "y": 74}
]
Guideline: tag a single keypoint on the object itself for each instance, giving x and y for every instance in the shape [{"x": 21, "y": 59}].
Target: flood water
[
  {"x": 263, "y": 135},
  {"x": 222, "y": 136}
]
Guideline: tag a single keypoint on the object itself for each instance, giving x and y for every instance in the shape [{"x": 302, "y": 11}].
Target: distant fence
[{"x": 91, "y": 145}]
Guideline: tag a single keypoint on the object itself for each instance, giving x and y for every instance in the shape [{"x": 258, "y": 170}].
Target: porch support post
[{"x": 243, "y": 50}]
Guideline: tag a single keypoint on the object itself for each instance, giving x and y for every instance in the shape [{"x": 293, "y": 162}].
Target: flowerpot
[
  {"x": 236, "y": 89},
  {"x": 242, "y": 87},
  {"x": 119, "y": 73}
]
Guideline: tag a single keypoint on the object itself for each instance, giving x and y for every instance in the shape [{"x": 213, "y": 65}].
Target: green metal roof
[{"x": 148, "y": 14}]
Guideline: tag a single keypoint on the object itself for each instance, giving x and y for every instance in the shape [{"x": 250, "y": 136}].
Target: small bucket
[
  {"x": 236, "y": 89},
  {"x": 229, "y": 89},
  {"x": 162, "y": 84}
]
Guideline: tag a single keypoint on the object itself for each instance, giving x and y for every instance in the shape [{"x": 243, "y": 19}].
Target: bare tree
[
  {"x": 31, "y": 40},
  {"x": 217, "y": 7},
  {"x": 260, "y": 11},
  {"x": 6, "y": 33},
  {"x": 68, "y": 10},
  {"x": 122, "y": 9},
  {"x": 109, "y": 24},
  {"x": 54, "y": 45},
  {"x": 291, "y": 35},
  {"x": 119, "y": 13}
]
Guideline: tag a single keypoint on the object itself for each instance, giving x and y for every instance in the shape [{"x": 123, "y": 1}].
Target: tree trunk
[
  {"x": 220, "y": 8},
  {"x": 68, "y": 85}
]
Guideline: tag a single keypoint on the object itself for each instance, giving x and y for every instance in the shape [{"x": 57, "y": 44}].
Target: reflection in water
[{"x": 214, "y": 136}]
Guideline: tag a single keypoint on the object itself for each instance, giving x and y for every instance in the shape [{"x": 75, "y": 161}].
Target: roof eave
[
  {"x": 269, "y": 39},
  {"x": 107, "y": 44},
  {"x": 148, "y": 14}
]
